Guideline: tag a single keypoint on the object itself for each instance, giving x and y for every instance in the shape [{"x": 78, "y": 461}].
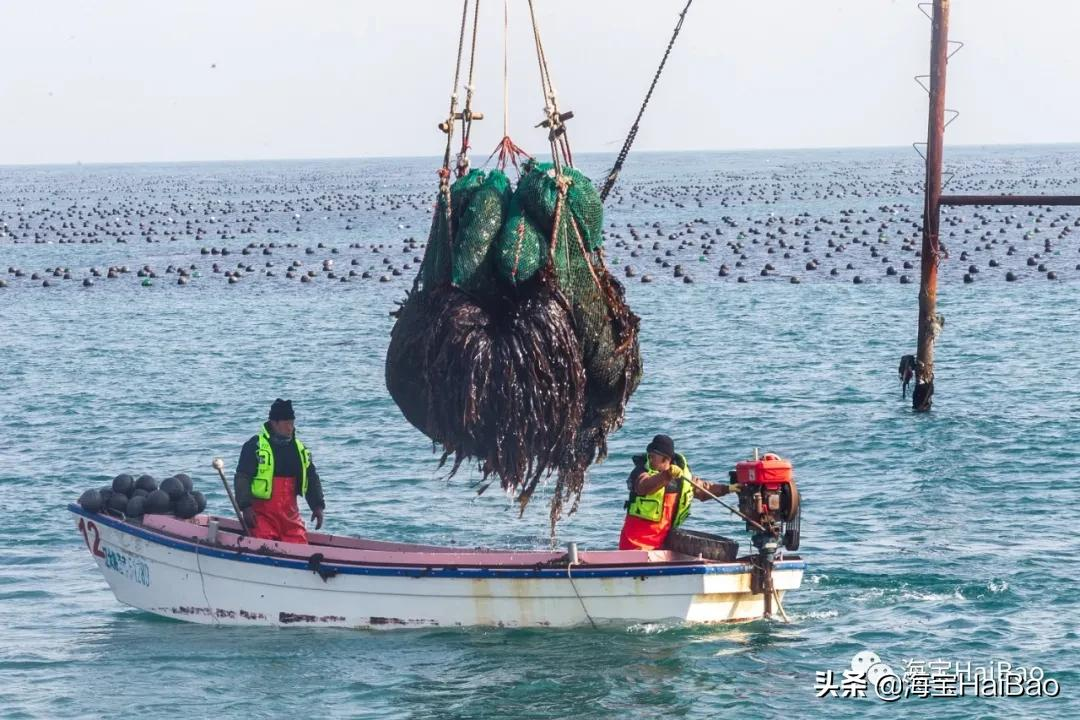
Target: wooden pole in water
[{"x": 922, "y": 397}]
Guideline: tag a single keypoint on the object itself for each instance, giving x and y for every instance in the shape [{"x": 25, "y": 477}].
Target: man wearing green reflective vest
[
  {"x": 274, "y": 468},
  {"x": 662, "y": 487}
]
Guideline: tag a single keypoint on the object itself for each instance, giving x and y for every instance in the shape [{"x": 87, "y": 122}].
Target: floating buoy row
[
  {"x": 132, "y": 497},
  {"x": 853, "y": 221}
]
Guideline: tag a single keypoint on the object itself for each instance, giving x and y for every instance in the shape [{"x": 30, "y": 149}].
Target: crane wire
[{"x": 617, "y": 167}]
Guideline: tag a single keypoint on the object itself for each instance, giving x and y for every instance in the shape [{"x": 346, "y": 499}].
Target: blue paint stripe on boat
[{"x": 414, "y": 571}]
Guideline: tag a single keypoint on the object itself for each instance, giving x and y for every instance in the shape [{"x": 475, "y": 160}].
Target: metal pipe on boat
[
  {"x": 768, "y": 590},
  {"x": 219, "y": 465},
  {"x": 572, "y": 554},
  {"x": 212, "y": 530}
]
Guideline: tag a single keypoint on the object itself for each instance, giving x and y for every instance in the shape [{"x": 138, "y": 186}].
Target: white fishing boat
[{"x": 204, "y": 570}]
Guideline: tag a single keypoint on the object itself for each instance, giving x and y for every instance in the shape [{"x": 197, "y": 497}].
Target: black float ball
[
  {"x": 91, "y": 501},
  {"x": 200, "y": 500},
  {"x": 173, "y": 487},
  {"x": 118, "y": 502},
  {"x": 135, "y": 506},
  {"x": 185, "y": 480},
  {"x": 139, "y": 492},
  {"x": 186, "y": 506},
  {"x": 106, "y": 493},
  {"x": 156, "y": 503},
  {"x": 123, "y": 484},
  {"x": 147, "y": 483}
]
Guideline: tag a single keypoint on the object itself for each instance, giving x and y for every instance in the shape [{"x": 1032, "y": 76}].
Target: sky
[{"x": 149, "y": 80}]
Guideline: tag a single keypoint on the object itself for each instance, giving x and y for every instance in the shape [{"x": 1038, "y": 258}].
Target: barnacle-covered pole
[{"x": 929, "y": 325}]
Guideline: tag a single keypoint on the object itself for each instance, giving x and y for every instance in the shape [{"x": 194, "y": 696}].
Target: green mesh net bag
[
  {"x": 481, "y": 220},
  {"x": 436, "y": 267},
  {"x": 521, "y": 249},
  {"x": 539, "y": 193},
  {"x": 516, "y": 348}
]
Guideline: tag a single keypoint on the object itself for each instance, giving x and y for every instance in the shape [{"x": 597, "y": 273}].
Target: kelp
[{"x": 515, "y": 348}]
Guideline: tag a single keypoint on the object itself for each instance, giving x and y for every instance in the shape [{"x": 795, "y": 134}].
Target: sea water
[{"x": 944, "y": 536}]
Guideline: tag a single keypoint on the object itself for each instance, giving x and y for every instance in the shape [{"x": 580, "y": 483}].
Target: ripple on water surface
[{"x": 927, "y": 536}]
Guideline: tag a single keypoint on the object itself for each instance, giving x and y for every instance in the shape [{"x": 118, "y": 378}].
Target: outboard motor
[{"x": 769, "y": 501}]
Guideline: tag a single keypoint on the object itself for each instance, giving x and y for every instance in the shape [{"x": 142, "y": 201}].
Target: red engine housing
[{"x": 770, "y": 471}]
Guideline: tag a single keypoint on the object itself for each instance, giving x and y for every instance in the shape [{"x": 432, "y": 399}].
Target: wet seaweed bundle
[{"x": 515, "y": 348}]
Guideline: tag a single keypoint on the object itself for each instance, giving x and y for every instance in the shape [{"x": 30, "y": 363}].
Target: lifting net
[{"x": 515, "y": 348}]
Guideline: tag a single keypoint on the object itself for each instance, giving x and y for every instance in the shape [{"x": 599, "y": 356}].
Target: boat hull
[{"x": 195, "y": 580}]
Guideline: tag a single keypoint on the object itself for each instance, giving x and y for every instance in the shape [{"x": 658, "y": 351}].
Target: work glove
[
  {"x": 248, "y": 514},
  {"x": 734, "y": 488},
  {"x": 317, "y": 518},
  {"x": 675, "y": 471}
]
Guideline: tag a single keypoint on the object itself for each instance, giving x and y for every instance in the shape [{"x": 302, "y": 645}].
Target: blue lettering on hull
[{"x": 131, "y": 568}]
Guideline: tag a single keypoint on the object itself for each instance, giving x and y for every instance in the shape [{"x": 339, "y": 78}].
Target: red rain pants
[{"x": 278, "y": 518}]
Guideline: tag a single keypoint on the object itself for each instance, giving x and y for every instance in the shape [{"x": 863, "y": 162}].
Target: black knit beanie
[
  {"x": 282, "y": 410},
  {"x": 663, "y": 445}
]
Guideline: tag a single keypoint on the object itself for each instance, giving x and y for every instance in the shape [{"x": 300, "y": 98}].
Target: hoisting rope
[
  {"x": 617, "y": 167},
  {"x": 467, "y": 113},
  {"x": 506, "y": 68},
  {"x": 563, "y": 185},
  {"x": 507, "y": 150},
  {"x": 447, "y": 126},
  {"x": 554, "y": 121},
  {"x": 625, "y": 323},
  {"x": 580, "y": 599}
]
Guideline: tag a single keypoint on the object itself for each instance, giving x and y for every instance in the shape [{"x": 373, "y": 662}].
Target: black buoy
[
  {"x": 200, "y": 500},
  {"x": 118, "y": 502},
  {"x": 185, "y": 480},
  {"x": 139, "y": 492},
  {"x": 135, "y": 506},
  {"x": 173, "y": 487},
  {"x": 106, "y": 493},
  {"x": 157, "y": 502},
  {"x": 147, "y": 483},
  {"x": 186, "y": 507},
  {"x": 90, "y": 501},
  {"x": 123, "y": 484}
]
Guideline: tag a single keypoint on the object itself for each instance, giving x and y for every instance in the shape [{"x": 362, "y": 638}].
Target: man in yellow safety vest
[
  {"x": 274, "y": 468},
  {"x": 662, "y": 487}
]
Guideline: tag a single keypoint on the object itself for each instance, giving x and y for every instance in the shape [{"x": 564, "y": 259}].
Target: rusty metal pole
[{"x": 922, "y": 397}]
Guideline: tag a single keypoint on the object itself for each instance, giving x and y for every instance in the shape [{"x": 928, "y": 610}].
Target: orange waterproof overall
[
  {"x": 278, "y": 518},
  {"x": 641, "y": 534}
]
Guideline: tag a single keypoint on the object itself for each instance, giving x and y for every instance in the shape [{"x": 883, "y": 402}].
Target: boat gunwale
[{"x": 538, "y": 570}]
